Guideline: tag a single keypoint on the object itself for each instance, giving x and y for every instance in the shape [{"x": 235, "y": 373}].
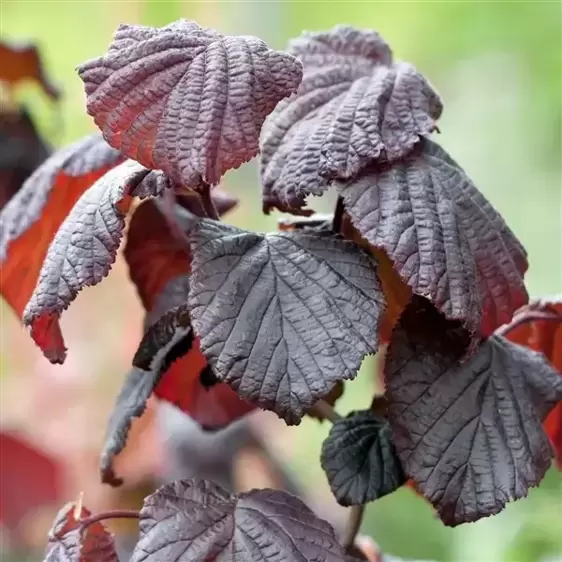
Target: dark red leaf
[
  {"x": 443, "y": 237},
  {"x": 543, "y": 335},
  {"x": 468, "y": 433},
  {"x": 32, "y": 217},
  {"x": 198, "y": 521},
  {"x": 353, "y": 107},
  {"x": 21, "y": 62},
  {"x": 185, "y": 99},
  {"x": 81, "y": 253},
  {"x": 70, "y": 542}
]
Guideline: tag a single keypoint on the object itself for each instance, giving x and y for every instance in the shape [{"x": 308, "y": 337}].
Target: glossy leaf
[
  {"x": 443, "y": 237},
  {"x": 69, "y": 542},
  {"x": 32, "y": 217},
  {"x": 185, "y": 99},
  {"x": 359, "y": 459},
  {"x": 282, "y": 317},
  {"x": 81, "y": 253},
  {"x": 539, "y": 327},
  {"x": 469, "y": 434},
  {"x": 198, "y": 521},
  {"x": 354, "y": 106}
]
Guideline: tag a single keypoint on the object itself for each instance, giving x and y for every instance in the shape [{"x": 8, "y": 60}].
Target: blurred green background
[{"x": 497, "y": 66}]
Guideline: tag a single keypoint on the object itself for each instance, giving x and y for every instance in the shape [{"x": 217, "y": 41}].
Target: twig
[
  {"x": 353, "y": 526},
  {"x": 528, "y": 316},
  {"x": 338, "y": 215},
  {"x": 207, "y": 201},
  {"x": 323, "y": 410},
  {"x": 117, "y": 514}
]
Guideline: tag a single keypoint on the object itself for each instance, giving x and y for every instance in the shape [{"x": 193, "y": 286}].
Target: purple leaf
[
  {"x": 444, "y": 238},
  {"x": 468, "y": 433},
  {"x": 81, "y": 253},
  {"x": 68, "y": 542},
  {"x": 354, "y": 106},
  {"x": 198, "y": 521},
  {"x": 85, "y": 156},
  {"x": 165, "y": 341},
  {"x": 359, "y": 459},
  {"x": 185, "y": 99},
  {"x": 282, "y": 317}
]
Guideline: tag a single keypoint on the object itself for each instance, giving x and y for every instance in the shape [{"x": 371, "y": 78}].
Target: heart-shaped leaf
[
  {"x": 185, "y": 99},
  {"x": 198, "y": 521},
  {"x": 468, "y": 433},
  {"x": 69, "y": 542},
  {"x": 354, "y": 106},
  {"x": 32, "y": 217},
  {"x": 282, "y": 317},
  {"x": 81, "y": 253},
  {"x": 443, "y": 237},
  {"x": 359, "y": 459}
]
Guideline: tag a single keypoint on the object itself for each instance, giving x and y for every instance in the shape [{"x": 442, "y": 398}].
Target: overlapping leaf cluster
[{"x": 414, "y": 255}]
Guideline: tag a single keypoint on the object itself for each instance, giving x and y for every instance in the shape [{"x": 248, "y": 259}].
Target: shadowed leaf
[
  {"x": 469, "y": 434},
  {"x": 282, "y": 317},
  {"x": 354, "y": 106},
  {"x": 359, "y": 459},
  {"x": 198, "y": 521},
  {"x": 443, "y": 237},
  {"x": 81, "y": 253},
  {"x": 545, "y": 336},
  {"x": 32, "y": 217},
  {"x": 68, "y": 542},
  {"x": 185, "y": 99}
]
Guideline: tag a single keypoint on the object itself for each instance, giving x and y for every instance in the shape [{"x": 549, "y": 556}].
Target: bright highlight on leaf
[
  {"x": 32, "y": 217},
  {"x": 185, "y": 99},
  {"x": 353, "y": 107},
  {"x": 282, "y": 317},
  {"x": 81, "y": 253},
  {"x": 469, "y": 434},
  {"x": 198, "y": 521}
]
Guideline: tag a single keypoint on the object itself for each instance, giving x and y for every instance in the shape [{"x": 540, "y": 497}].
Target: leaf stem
[
  {"x": 324, "y": 410},
  {"x": 207, "y": 201},
  {"x": 117, "y": 514},
  {"x": 528, "y": 316},
  {"x": 338, "y": 215},
  {"x": 356, "y": 513}
]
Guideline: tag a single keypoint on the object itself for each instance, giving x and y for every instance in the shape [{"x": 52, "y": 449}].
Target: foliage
[{"x": 413, "y": 254}]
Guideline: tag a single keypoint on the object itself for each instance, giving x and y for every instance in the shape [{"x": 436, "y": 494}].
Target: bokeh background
[{"x": 497, "y": 66}]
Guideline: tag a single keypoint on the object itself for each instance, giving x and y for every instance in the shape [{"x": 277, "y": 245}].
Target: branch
[
  {"x": 117, "y": 514},
  {"x": 528, "y": 316},
  {"x": 353, "y": 525},
  {"x": 207, "y": 200},
  {"x": 325, "y": 411},
  {"x": 338, "y": 215}
]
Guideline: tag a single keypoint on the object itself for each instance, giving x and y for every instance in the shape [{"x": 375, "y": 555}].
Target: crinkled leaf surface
[
  {"x": 185, "y": 99},
  {"x": 198, "y": 521},
  {"x": 81, "y": 253},
  {"x": 282, "y": 317},
  {"x": 443, "y": 237},
  {"x": 359, "y": 459},
  {"x": 545, "y": 336},
  {"x": 68, "y": 543},
  {"x": 354, "y": 106},
  {"x": 32, "y": 217},
  {"x": 469, "y": 434}
]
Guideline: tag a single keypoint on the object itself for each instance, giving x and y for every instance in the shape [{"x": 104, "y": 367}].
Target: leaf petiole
[{"x": 116, "y": 514}]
